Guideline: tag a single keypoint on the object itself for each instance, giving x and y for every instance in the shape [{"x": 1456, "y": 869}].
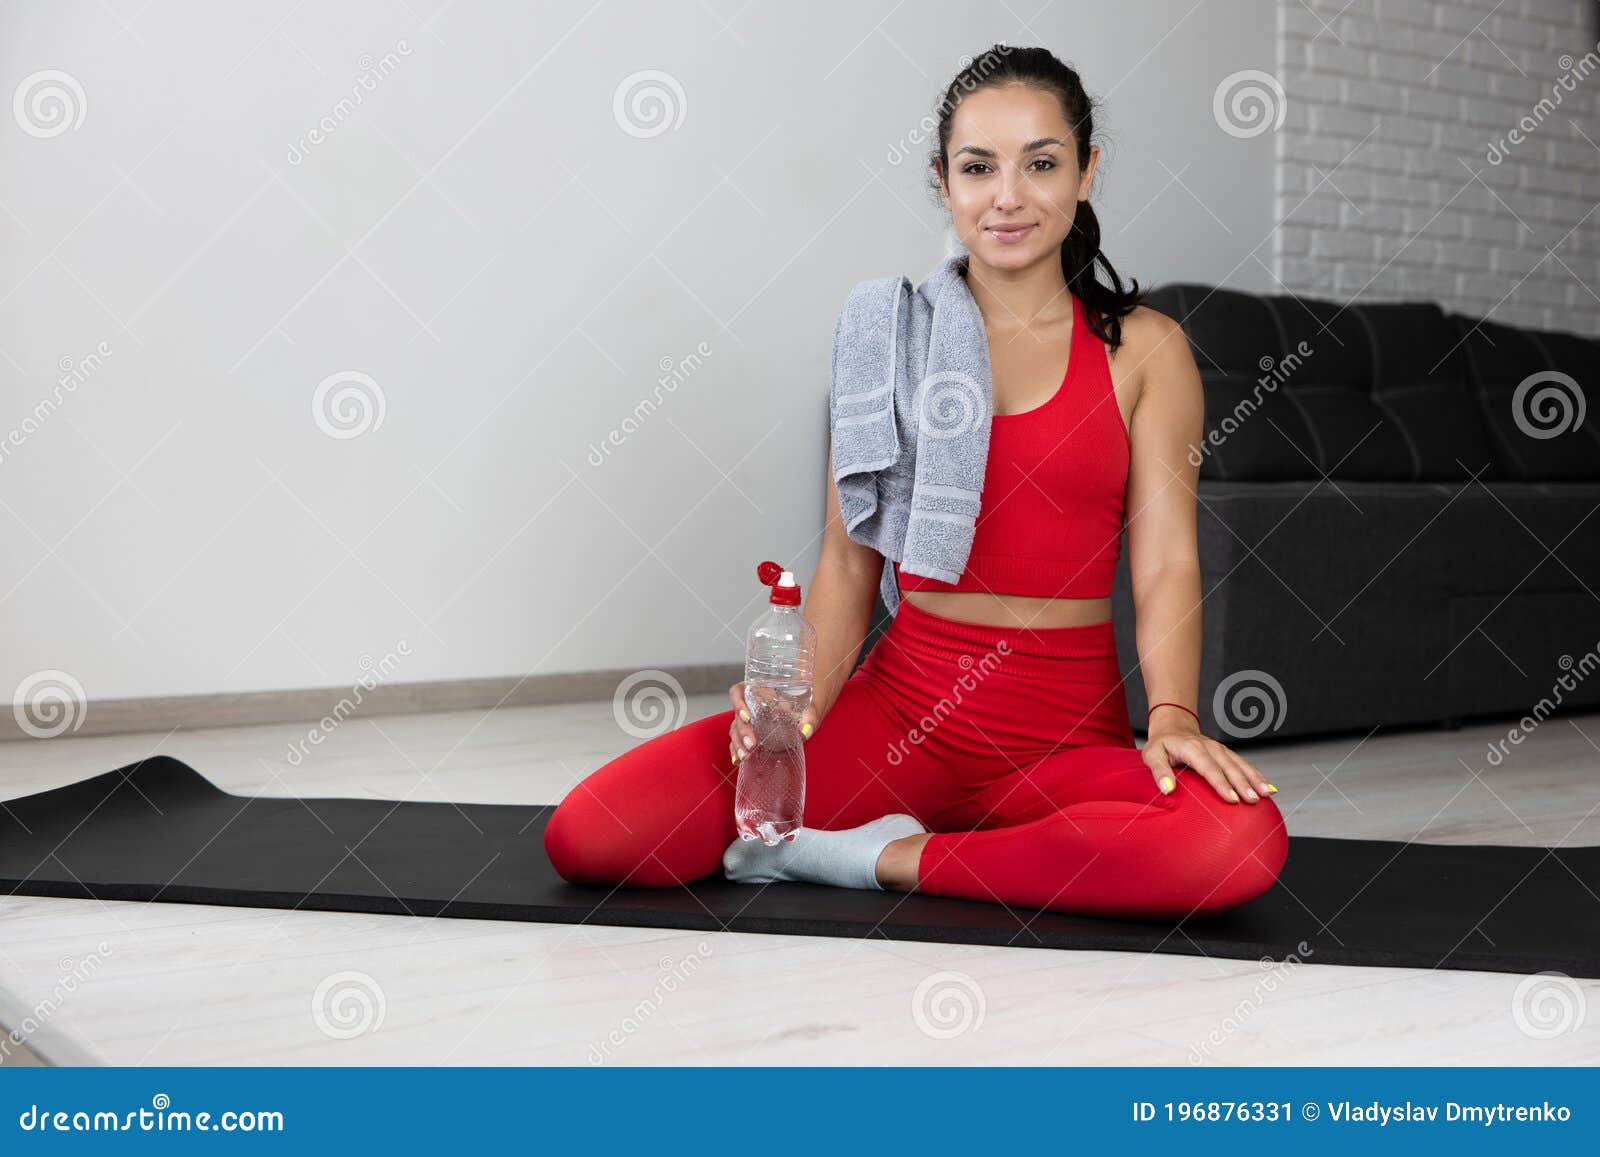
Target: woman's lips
[{"x": 1010, "y": 236}]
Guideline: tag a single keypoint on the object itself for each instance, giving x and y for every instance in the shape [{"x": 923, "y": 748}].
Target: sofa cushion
[
  {"x": 1327, "y": 342},
  {"x": 1412, "y": 341},
  {"x": 1272, "y": 413},
  {"x": 1444, "y": 425},
  {"x": 1353, "y": 435},
  {"x": 1253, "y": 432},
  {"x": 1571, "y": 354},
  {"x": 1327, "y": 369},
  {"x": 1538, "y": 392},
  {"x": 1421, "y": 377}
]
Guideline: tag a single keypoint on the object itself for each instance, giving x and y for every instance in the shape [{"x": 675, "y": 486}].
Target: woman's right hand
[{"x": 742, "y": 736}]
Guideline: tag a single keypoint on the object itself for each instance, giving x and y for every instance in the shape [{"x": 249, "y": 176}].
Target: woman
[{"x": 983, "y": 749}]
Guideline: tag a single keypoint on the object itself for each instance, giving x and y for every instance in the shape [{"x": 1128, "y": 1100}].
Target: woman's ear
[{"x": 1087, "y": 181}]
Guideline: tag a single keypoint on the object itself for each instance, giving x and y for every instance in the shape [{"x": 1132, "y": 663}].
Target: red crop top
[{"x": 1051, "y": 516}]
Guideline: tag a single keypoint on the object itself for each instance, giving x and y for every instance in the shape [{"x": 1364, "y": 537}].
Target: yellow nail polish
[
  {"x": 1233, "y": 795},
  {"x": 1270, "y": 790},
  {"x": 745, "y": 715},
  {"x": 1168, "y": 783},
  {"x": 805, "y": 729}
]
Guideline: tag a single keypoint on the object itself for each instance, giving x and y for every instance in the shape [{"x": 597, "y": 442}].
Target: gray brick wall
[{"x": 1415, "y": 159}]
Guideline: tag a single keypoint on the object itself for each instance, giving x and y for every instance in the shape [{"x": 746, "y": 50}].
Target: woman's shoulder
[
  {"x": 1154, "y": 353},
  {"x": 1148, "y": 327},
  {"x": 1150, "y": 340}
]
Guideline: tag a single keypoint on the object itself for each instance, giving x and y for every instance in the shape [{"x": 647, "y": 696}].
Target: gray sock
[{"x": 847, "y": 858}]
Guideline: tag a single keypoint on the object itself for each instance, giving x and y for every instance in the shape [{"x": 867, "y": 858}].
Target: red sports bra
[{"x": 1051, "y": 516}]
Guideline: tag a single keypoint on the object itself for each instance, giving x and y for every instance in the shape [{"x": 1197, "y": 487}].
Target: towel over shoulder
[{"x": 909, "y": 416}]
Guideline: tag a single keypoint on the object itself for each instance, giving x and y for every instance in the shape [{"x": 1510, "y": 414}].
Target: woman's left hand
[{"x": 1172, "y": 746}]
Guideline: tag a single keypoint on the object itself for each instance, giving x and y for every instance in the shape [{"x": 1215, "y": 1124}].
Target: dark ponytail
[{"x": 1105, "y": 305}]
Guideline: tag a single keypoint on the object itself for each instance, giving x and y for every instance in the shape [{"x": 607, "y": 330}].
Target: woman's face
[{"x": 1013, "y": 161}]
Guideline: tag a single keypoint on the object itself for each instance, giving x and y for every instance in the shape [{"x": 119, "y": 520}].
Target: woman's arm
[
  {"x": 1163, "y": 553},
  {"x": 839, "y": 602},
  {"x": 1164, "y": 560}
]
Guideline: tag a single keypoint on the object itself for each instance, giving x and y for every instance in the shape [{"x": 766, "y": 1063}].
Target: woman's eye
[
  {"x": 1046, "y": 161},
  {"x": 974, "y": 166}
]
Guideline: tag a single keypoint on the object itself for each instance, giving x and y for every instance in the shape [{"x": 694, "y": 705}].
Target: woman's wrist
[{"x": 1172, "y": 716}]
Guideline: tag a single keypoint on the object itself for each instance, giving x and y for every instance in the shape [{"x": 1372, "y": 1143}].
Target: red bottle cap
[{"x": 784, "y": 594}]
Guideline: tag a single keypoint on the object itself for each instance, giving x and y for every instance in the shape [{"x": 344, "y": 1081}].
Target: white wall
[
  {"x": 482, "y": 239},
  {"x": 1448, "y": 151}
]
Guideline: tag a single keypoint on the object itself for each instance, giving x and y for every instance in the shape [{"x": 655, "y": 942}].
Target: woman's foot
[{"x": 847, "y": 858}]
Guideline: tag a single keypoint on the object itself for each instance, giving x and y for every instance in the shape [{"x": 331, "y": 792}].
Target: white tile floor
[{"x": 188, "y": 984}]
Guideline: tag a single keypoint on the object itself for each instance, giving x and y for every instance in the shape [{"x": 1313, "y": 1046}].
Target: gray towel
[{"x": 909, "y": 414}]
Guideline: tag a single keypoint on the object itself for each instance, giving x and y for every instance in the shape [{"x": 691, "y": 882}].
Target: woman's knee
[
  {"x": 606, "y": 839},
  {"x": 652, "y": 817},
  {"x": 576, "y": 839},
  {"x": 1247, "y": 862}
]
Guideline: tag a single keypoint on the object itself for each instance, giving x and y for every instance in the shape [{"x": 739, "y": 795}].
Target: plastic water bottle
[{"x": 780, "y": 650}]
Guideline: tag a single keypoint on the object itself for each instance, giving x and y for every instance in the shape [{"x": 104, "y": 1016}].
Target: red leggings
[{"x": 1012, "y": 745}]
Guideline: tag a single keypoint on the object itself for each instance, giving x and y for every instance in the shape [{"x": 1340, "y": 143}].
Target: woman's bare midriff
[{"x": 1010, "y": 610}]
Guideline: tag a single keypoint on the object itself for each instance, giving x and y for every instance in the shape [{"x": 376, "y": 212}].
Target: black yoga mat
[{"x": 158, "y": 830}]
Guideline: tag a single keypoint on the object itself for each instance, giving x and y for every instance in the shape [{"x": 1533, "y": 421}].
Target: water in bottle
[{"x": 780, "y": 649}]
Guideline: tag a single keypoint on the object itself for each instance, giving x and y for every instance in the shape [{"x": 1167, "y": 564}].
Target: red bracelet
[{"x": 1179, "y": 706}]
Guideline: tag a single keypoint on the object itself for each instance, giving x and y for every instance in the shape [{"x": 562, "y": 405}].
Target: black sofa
[
  {"x": 1396, "y": 534},
  {"x": 1389, "y": 532}
]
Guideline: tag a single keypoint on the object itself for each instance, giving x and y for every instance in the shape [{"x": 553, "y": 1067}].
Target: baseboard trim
[{"x": 248, "y": 708}]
